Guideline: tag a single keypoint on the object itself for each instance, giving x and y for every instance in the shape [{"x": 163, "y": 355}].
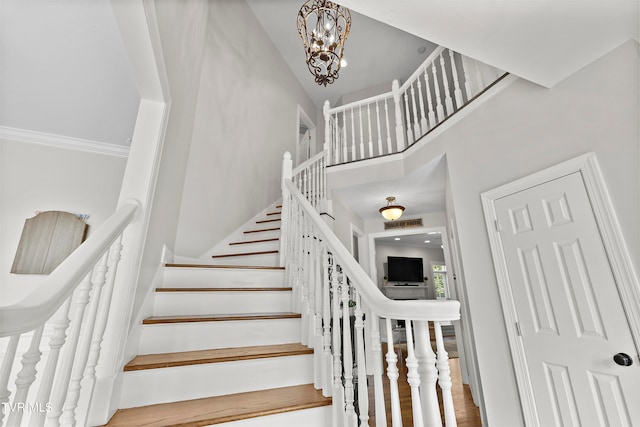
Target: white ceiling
[
  {"x": 65, "y": 70},
  {"x": 543, "y": 41},
  {"x": 416, "y": 240},
  {"x": 422, "y": 191},
  {"x": 377, "y": 53}
]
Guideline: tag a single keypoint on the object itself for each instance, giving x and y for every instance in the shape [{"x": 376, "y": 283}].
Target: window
[{"x": 440, "y": 285}]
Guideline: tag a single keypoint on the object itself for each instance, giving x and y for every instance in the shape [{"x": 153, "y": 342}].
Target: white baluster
[
  {"x": 445, "y": 82},
  {"x": 26, "y": 377},
  {"x": 376, "y": 365},
  {"x": 444, "y": 378},
  {"x": 317, "y": 312},
  {"x": 407, "y": 115},
  {"x": 393, "y": 374},
  {"x": 338, "y": 388},
  {"x": 336, "y": 154},
  {"x": 428, "y": 375},
  {"x": 61, "y": 384},
  {"x": 347, "y": 354},
  {"x": 395, "y": 88},
  {"x": 431, "y": 114},
  {"x": 5, "y": 372},
  {"x": 413, "y": 378},
  {"x": 369, "y": 130},
  {"x": 354, "y": 153},
  {"x": 423, "y": 119},
  {"x": 417, "y": 132},
  {"x": 362, "y": 156},
  {"x": 327, "y": 124},
  {"x": 327, "y": 362},
  {"x": 56, "y": 342},
  {"x": 363, "y": 391},
  {"x": 436, "y": 87},
  {"x": 386, "y": 116},
  {"x": 345, "y": 155},
  {"x": 456, "y": 82},
  {"x": 467, "y": 80},
  {"x": 379, "y": 132},
  {"x": 82, "y": 357},
  {"x": 304, "y": 272}
]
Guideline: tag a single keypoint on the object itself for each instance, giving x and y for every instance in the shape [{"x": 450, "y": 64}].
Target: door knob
[{"x": 623, "y": 359}]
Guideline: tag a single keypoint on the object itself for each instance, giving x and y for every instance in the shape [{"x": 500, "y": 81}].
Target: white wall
[
  {"x": 245, "y": 121},
  {"x": 428, "y": 255},
  {"x": 35, "y": 177},
  {"x": 182, "y": 27},
  {"x": 521, "y": 130}
]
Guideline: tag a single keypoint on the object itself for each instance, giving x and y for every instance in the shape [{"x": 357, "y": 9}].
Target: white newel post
[
  {"x": 327, "y": 131},
  {"x": 287, "y": 173},
  {"x": 395, "y": 88}
]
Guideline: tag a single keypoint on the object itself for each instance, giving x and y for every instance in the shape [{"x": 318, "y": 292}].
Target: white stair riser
[
  {"x": 221, "y": 302},
  {"x": 163, "y": 385},
  {"x": 314, "y": 417},
  {"x": 176, "y": 277},
  {"x": 262, "y": 234},
  {"x": 172, "y": 337},
  {"x": 270, "y": 260}
]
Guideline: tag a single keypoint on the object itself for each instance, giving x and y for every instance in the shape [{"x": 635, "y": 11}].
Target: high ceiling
[
  {"x": 65, "y": 71},
  {"x": 376, "y": 53}
]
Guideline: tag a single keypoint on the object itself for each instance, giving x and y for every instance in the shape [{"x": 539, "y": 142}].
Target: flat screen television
[{"x": 403, "y": 269}]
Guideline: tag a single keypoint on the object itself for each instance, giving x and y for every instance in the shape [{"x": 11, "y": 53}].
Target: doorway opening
[{"x": 305, "y": 137}]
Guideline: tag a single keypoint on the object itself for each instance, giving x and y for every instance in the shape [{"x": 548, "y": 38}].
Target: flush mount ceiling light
[
  {"x": 392, "y": 211},
  {"x": 324, "y": 26}
]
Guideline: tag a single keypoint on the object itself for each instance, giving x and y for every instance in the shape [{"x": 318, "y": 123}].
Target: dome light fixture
[{"x": 392, "y": 211}]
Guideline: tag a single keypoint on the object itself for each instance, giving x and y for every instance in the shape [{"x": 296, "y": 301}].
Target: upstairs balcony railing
[{"x": 391, "y": 122}]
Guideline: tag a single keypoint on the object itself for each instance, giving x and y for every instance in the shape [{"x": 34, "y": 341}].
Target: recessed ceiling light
[
  {"x": 427, "y": 241},
  {"x": 397, "y": 238},
  {"x": 433, "y": 232}
]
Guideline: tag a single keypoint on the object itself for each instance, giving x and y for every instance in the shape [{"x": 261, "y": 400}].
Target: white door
[{"x": 570, "y": 316}]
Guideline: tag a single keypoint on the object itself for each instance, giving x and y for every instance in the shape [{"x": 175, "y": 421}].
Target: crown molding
[{"x": 64, "y": 142}]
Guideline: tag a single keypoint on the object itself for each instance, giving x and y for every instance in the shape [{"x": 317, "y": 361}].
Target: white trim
[
  {"x": 613, "y": 242},
  {"x": 64, "y": 142},
  {"x": 303, "y": 118}
]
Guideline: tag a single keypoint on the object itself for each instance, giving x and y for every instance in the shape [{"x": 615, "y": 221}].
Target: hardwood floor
[{"x": 467, "y": 413}]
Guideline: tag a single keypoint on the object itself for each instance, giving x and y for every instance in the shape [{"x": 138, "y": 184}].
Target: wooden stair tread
[
  {"x": 218, "y": 318},
  {"x": 245, "y": 267},
  {"x": 188, "y": 358},
  {"x": 268, "y": 220},
  {"x": 275, "y": 239},
  {"x": 221, "y": 409},
  {"x": 246, "y": 254},
  {"x": 262, "y": 230},
  {"x": 274, "y": 213},
  {"x": 262, "y": 289}
]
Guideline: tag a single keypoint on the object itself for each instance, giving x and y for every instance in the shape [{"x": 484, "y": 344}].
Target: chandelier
[
  {"x": 392, "y": 211},
  {"x": 324, "y": 26}
]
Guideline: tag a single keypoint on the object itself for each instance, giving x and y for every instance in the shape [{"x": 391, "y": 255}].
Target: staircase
[{"x": 222, "y": 346}]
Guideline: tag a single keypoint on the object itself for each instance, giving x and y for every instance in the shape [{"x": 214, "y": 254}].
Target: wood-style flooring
[{"x": 467, "y": 413}]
